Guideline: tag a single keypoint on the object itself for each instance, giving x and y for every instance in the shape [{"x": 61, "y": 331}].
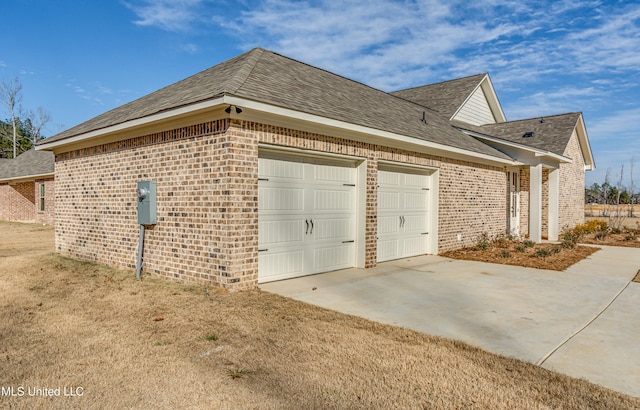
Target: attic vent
[
  {"x": 424, "y": 117},
  {"x": 527, "y": 134}
]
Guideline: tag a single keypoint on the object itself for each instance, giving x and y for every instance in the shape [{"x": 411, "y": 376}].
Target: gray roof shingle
[
  {"x": 551, "y": 135},
  {"x": 264, "y": 76},
  {"x": 29, "y": 163},
  {"x": 445, "y": 97}
]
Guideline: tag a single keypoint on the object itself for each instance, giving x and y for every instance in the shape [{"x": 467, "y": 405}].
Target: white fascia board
[
  {"x": 535, "y": 151},
  {"x": 328, "y": 122},
  {"x": 138, "y": 122},
  {"x": 492, "y": 99},
  {"x": 585, "y": 145},
  {"x": 26, "y": 178},
  {"x": 271, "y": 110}
]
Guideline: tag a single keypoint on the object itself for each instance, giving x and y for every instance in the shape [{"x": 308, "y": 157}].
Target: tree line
[
  {"x": 614, "y": 194},
  {"x": 22, "y": 129}
]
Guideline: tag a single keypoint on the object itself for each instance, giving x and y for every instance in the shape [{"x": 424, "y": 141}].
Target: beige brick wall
[
  {"x": 17, "y": 202},
  {"x": 207, "y": 191},
  {"x": 571, "y": 201}
]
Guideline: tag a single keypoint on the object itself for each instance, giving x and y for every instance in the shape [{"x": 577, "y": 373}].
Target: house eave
[
  {"x": 26, "y": 178},
  {"x": 259, "y": 111},
  {"x": 536, "y": 152}
]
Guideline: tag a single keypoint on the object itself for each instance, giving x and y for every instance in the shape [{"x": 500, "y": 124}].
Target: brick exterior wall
[
  {"x": 48, "y": 215},
  {"x": 207, "y": 199},
  {"x": 17, "y": 202},
  {"x": 571, "y": 201}
]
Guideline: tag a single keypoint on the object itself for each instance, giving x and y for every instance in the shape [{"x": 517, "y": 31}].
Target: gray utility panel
[{"x": 147, "y": 203}]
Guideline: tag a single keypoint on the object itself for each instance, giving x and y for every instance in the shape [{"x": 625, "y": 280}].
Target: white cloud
[{"x": 170, "y": 15}]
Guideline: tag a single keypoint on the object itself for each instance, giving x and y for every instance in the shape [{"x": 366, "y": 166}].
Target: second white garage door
[
  {"x": 306, "y": 217},
  {"x": 404, "y": 217}
]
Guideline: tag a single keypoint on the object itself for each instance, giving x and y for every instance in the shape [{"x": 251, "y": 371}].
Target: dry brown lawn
[{"x": 150, "y": 343}]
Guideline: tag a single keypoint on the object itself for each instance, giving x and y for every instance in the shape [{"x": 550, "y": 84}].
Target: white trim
[
  {"x": 26, "y": 177},
  {"x": 328, "y": 122},
  {"x": 258, "y": 107},
  {"x": 138, "y": 122},
  {"x": 536, "y": 151},
  {"x": 394, "y": 164}
]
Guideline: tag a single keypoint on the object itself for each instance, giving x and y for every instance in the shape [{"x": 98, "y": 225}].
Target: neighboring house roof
[
  {"x": 29, "y": 164},
  {"x": 266, "y": 77}
]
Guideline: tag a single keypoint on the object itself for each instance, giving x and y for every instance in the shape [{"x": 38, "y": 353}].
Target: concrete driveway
[{"x": 584, "y": 322}]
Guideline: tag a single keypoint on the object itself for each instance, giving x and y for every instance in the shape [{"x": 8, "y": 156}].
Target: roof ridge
[
  {"x": 254, "y": 55},
  {"x": 537, "y": 117},
  {"x": 441, "y": 82}
]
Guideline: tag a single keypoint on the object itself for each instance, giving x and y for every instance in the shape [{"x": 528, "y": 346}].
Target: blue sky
[{"x": 78, "y": 59}]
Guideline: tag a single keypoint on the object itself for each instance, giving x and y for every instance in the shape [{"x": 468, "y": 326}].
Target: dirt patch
[
  {"x": 637, "y": 278},
  {"x": 68, "y": 324},
  {"x": 541, "y": 256}
]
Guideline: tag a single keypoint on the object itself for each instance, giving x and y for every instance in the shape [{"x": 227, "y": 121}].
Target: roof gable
[{"x": 470, "y": 99}]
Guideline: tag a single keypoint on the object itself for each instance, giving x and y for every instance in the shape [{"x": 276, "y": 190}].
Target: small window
[{"x": 42, "y": 196}]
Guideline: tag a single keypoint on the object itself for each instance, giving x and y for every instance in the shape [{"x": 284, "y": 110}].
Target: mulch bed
[{"x": 529, "y": 258}]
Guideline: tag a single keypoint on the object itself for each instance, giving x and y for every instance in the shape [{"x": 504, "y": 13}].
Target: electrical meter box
[{"x": 147, "y": 203}]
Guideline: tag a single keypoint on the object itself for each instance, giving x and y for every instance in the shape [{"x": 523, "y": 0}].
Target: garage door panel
[
  {"x": 332, "y": 258},
  {"x": 279, "y": 232},
  {"x": 279, "y": 199},
  {"x": 306, "y": 218},
  {"x": 416, "y": 201},
  {"x": 388, "y": 249},
  {"x": 388, "y": 224},
  {"x": 386, "y": 178},
  {"x": 403, "y": 214},
  {"x": 388, "y": 201},
  {"x": 281, "y": 265},
  {"x": 327, "y": 173},
  {"x": 332, "y": 200},
  {"x": 277, "y": 169},
  {"x": 415, "y": 245},
  {"x": 415, "y": 223},
  {"x": 332, "y": 228},
  {"x": 416, "y": 181}
]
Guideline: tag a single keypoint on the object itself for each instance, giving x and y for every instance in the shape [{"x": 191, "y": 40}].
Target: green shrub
[
  {"x": 548, "y": 251},
  {"x": 570, "y": 238},
  {"x": 520, "y": 247},
  {"x": 483, "y": 242},
  {"x": 505, "y": 253},
  {"x": 528, "y": 243}
]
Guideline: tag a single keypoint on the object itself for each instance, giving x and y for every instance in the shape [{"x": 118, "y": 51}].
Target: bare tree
[
  {"x": 605, "y": 190},
  {"x": 620, "y": 189},
  {"x": 11, "y": 97},
  {"x": 36, "y": 122},
  {"x": 632, "y": 187}
]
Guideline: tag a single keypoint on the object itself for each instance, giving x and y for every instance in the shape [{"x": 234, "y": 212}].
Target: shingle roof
[
  {"x": 445, "y": 97},
  {"x": 29, "y": 163},
  {"x": 551, "y": 135},
  {"x": 267, "y": 77}
]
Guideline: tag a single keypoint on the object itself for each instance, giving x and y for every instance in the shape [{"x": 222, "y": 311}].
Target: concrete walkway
[{"x": 584, "y": 322}]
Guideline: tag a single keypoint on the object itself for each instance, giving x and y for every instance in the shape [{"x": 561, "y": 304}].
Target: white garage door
[
  {"x": 403, "y": 214},
  {"x": 306, "y": 218}
]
